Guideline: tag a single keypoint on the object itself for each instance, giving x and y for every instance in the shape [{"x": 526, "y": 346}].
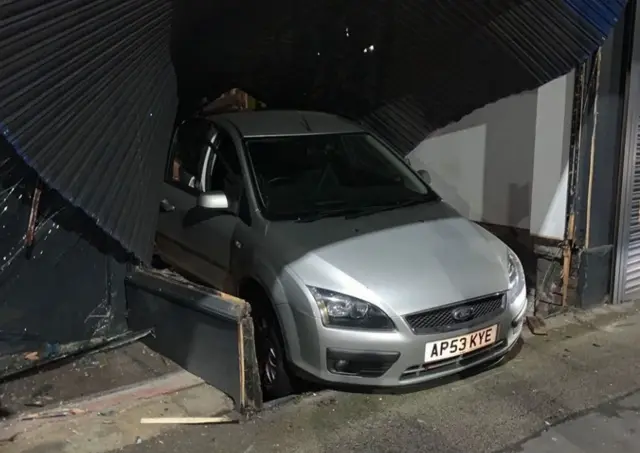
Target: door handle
[{"x": 166, "y": 206}]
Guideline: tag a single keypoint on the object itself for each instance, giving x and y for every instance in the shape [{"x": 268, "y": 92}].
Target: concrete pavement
[
  {"x": 583, "y": 376},
  {"x": 573, "y": 391},
  {"x": 111, "y": 421},
  {"x": 612, "y": 426},
  {"x": 83, "y": 377}
]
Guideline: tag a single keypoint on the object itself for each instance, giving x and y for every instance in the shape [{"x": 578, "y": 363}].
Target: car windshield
[{"x": 333, "y": 173}]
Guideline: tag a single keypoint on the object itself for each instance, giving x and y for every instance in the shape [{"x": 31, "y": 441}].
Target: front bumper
[{"x": 393, "y": 359}]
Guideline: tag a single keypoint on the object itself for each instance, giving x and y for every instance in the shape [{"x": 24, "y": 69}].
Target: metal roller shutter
[
  {"x": 632, "y": 271},
  {"x": 626, "y": 268},
  {"x": 88, "y": 99}
]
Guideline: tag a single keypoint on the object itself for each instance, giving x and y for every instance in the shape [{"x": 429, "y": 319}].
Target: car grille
[{"x": 441, "y": 319}]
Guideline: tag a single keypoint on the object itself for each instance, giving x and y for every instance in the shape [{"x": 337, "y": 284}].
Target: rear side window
[
  {"x": 227, "y": 150},
  {"x": 189, "y": 147}
]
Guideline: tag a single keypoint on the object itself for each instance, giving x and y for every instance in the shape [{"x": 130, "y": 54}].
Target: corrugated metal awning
[{"x": 87, "y": 88}]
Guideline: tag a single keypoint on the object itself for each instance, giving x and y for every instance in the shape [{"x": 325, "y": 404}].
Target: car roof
[{"x": 266, "y": 123}]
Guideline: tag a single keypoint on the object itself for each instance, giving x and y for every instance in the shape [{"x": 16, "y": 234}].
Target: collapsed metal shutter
[
  {"x": 87, "y": 89},
  {"x": 486, "y": 51},
  {"x": 406, "y": 67},
  {"x": 88, "y": 99}
]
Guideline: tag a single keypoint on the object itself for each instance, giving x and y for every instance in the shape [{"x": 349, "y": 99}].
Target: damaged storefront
[
  {"x": 90, "y": 94},
  {"x": 81, "y": 293}
]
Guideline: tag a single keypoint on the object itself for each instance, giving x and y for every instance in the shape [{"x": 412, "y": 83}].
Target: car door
[
  {"x": 196, "y": 242},
  {"x": 191, "y": 143},
  {"x": 217, "y": 230}
]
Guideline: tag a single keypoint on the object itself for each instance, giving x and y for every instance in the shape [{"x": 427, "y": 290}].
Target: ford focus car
[{"x": 357, "y": 272}]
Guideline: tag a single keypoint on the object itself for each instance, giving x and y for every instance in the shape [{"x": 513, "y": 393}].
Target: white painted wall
[{"x": 506, "y": 163}]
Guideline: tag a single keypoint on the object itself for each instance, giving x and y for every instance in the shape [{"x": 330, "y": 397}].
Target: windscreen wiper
[
  {"x": 312, "y": 217},
  {"x": 374, "y": 209},
  {"x": 355, "y": 212}
]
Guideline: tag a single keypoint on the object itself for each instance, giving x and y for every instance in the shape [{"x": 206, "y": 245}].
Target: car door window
[{"x": 189, "y": 151}]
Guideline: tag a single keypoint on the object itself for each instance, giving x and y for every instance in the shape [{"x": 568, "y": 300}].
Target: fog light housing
[{"x": 360, "y": 364}]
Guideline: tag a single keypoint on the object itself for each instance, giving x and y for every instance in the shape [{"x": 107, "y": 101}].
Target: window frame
[
  {"x": 212, "y": 131},
  {"x": 221, "y": 133}
]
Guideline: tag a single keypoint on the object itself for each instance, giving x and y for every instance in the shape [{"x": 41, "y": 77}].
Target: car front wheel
[{"x": 274, "y": 377}]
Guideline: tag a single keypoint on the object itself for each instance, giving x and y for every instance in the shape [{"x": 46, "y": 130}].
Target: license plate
[{"x": 452, "y": 347}]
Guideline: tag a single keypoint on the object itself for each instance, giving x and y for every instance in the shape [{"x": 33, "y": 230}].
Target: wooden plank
[{"x": 186, "y": 420}]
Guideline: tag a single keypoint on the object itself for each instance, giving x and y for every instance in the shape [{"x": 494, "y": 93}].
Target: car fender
[{"x": 274, "y": 288}]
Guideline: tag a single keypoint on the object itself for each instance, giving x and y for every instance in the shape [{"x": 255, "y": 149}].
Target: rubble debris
[
  {"x": 122, "y": 340},
  {"x": 53, "y": 414},
  {"x": 536, "y": 325},
  {"x": 10, "y": 439},
  {"x": 33, "y": 355},
  {"x": 34, "y": 404},
  {"x": 33, "y": 217},
  {"x": 53, "y": 352}
]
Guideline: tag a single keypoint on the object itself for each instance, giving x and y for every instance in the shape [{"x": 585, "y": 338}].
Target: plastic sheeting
[{"x": 87, "y": 88}]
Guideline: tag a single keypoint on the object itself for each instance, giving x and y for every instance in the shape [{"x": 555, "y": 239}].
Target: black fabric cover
[{"x": 87, "y": 89}]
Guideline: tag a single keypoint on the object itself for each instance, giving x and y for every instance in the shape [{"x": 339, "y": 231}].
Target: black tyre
[{"x": 274, "y": 375}]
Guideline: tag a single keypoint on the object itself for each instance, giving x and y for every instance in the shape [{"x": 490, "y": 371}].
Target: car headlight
[
  {"x": 516, "y": 276},
  {"x": 340, "y": 310}
]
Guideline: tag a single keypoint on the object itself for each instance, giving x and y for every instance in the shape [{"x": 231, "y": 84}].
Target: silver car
[{"x": 356, "y": 271}]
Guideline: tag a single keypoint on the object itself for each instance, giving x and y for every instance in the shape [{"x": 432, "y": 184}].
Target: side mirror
[
  {"x": 424, "y": 174},
  {"x": 213, "y": 200}
]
